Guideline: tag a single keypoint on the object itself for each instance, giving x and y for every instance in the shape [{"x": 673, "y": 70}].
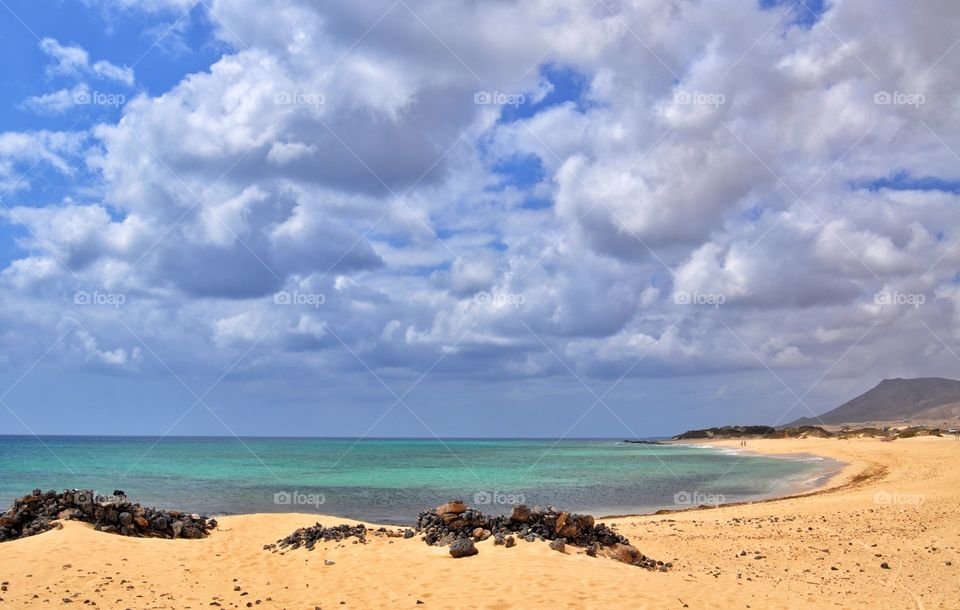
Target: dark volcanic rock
[
  {"x": 547, "y": 524},
  {"x": 551, "y": 524},
  {"x": 37, "y": 513},
  {"x": 463, "y": 547},
  {"x": 309, "y": 536}
]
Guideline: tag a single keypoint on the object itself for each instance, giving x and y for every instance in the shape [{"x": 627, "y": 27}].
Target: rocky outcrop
[{"x": 115, "y": 514}]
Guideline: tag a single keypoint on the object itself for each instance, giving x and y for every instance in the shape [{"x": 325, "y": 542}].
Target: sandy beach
[{"x": 894, "y": 503}]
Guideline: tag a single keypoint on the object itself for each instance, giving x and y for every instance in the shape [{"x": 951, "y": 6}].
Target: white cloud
[
  {"x": 712, "y": 152},
  {"x": 73, "y": 61}
]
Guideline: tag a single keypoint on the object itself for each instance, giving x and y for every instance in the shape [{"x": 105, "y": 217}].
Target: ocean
[{"x": 390, "y": 481}]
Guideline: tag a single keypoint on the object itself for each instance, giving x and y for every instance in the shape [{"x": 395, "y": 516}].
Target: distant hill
[{"x": 925, "y": 398}]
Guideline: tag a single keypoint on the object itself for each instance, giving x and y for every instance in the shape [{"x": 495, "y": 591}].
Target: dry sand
[{"x": 895, "y": 503}]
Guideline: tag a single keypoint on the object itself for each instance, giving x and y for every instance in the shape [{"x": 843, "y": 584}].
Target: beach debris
[
  {"x": 454, "y": 521},
  {"x": 462, "y": 547},
  {"x": 115, "y": 514}
]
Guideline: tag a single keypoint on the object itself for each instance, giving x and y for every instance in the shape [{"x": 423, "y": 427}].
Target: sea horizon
[{"x": 336, "y": 437}]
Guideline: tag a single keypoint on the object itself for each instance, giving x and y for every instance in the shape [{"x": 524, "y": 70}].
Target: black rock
[
  {"x": 309, "y": 536},
  {"x": 531, "y": 524},
  {"x": 463, "y": 547},
  {"x": 39, "y": 511}
]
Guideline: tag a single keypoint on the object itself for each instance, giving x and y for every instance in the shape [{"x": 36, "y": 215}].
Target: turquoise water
[{"x": 392, "y": 480}]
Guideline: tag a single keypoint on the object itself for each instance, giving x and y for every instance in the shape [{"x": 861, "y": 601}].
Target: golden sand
[{"x": 896, "y": 502}]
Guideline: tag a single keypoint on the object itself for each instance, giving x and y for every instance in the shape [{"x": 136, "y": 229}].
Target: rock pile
[
  {"x": 307, "y": 537},
  {"x": 38, "y": 511},
  {"x": 454, "y": 521}
]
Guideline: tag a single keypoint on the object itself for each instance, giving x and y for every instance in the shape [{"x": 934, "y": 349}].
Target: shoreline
[
  {"x": 771, "y": 485},
  {"x": 882, "y": 532},
  {"x": 846, "y": 476}
]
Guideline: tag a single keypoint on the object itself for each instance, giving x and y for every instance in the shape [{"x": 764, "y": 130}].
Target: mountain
[{"x": 924, "y": 398}]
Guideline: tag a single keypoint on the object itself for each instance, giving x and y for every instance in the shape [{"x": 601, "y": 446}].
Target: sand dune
[{"x": 823, "y": 550}]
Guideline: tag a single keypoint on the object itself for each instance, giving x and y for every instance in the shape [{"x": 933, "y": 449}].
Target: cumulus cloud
[
  {"x": 74, "y": 61},
  {"x": 711, "y": 200},
  {"x": 21, "y": 152}
]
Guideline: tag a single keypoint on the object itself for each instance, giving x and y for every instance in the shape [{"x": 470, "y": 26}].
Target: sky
[{"x": 446, "y": 218}]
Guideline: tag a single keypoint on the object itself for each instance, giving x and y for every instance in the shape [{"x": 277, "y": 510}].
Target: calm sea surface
[{"x": 392, "y": 480}]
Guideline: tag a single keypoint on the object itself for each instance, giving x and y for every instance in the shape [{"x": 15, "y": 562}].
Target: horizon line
[{"x": 348, "y": 438}]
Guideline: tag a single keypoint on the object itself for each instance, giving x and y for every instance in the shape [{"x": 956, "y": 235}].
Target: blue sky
[{"x": 444, "y": 218}]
